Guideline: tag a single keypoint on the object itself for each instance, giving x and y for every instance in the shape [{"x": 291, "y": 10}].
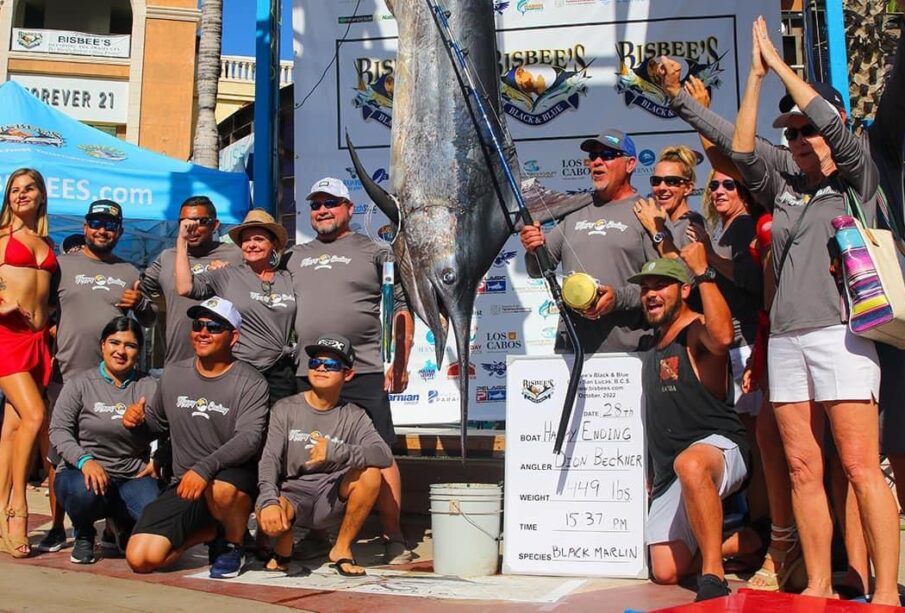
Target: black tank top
[{"x": 680, "y": 411}]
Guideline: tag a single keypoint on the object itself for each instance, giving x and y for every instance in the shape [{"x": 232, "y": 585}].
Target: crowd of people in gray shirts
[{"x": 746, "y": 359}]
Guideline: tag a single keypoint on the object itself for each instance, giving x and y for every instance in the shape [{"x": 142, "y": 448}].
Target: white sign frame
[
  {"x": 65, "y": 42},
  {"x": 89, "y": 100}
]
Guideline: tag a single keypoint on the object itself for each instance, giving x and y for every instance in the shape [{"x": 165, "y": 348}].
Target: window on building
[{"x": 93, "y": 17}]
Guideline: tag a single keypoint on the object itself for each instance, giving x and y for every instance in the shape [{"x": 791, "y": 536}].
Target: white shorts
[
  {"x": 822, "y": 364},
  {"x": 667, "y": 520},
  {"x": 744, "y": 403}
]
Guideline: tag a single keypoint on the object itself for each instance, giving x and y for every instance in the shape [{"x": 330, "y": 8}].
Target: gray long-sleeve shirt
[
  {"x": 267, "y": 309},
  {"x": 806, "y": 293},
  {"x": 352, "y": 443},
  {"x": 609, "y": 243},
  {"x": 88, "y": 293},
  {"x": 88, "y": 420},
  {"x": 213, "y": 422},
  {"x": 160, "y": 279},
  {"x": 338, "y": 287}
]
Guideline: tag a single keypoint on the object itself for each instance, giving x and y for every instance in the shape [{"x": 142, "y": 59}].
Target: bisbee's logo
[
  {"x": 202, "y": 407},
  {"x": 700, "y": 59},
  {"x": 374, "y": 89},
  {"x": 538, "y": 85},
  {"x": 537, "y": 390}
]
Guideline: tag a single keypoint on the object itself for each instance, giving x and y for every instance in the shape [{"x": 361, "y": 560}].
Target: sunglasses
[
  {"x": 212, "y": 327},
  {"x": 805, "y": 131},
  {"x": 671, "y": 181},
  {"x": 330, "y": 204},
  {"x": 107, "y": 224},
  {"x": 607, "y": 155},
  {"x": 329, "y": 364},
  {"x": 202, "y": 221},
  {"x": 728, "y": 185}
]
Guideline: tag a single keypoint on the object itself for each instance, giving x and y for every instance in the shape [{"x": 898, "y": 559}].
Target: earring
[{"x": 274, "y": 258}]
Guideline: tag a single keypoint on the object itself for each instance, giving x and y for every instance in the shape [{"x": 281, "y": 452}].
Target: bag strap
[{"x": 792, "y": 236}]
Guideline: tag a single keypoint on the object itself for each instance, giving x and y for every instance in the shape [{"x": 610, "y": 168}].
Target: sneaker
[
  {"x": 229, "y": 563},
  {"x": 396, "y": 551},
  {"x": 711, "y": 586},
  {"x": 108, "y": 540},
  {"x": 52, "y": 541},
  {"x": 83, "y": 551},
  {"x": 215, "y": 548}
]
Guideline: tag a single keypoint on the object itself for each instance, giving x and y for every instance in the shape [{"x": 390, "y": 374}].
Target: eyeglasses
[
  {"x": 109, "y": 225},
  {"x": 329, "y": 364},
  {"x": 202, "y": 221},
  {"x": 671, "y": 181},
  {"x": 728, "y": 185},
  {"x": 805, "y": 131},
  {"x": 213, "y": 327},
  {"x": 607, "y": 155},
  {"x": 330, "y": 204}
]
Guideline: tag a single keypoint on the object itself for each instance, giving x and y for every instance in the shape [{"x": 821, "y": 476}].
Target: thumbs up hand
[
  {"x": 131, "y": 297},
  {"x": 135, "y": 414}
]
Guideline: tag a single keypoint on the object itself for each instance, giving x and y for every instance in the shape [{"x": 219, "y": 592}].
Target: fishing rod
[{"x": 478, "y": 109}]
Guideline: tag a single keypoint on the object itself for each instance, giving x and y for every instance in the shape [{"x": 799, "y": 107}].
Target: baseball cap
[
  {"x": 789, "y": 109},
  {"x": 672, "y": 268},
  {"x": 72, "y": 241},
  {"x": 105, "y": 208},
  {"x": 217, "y": 308},
  {"x": 611, "y": 139},
  {"x": 329, "y": 185},
  {"x": 335, "y": 344}
]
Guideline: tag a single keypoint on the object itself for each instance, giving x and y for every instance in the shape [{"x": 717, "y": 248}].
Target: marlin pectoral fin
[
  {"x": 383, "y": 199},
  {"x": 545, "y": 204}
]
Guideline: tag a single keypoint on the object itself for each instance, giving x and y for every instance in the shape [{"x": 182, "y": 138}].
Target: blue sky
[{"x": 239, "y": 28}]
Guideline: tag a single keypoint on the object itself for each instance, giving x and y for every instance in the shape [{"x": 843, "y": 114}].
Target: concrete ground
[{"x": 49, "y": 582}]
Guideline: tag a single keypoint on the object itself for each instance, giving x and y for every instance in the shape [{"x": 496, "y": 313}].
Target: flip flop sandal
[
  {"x": 338, "y": 565},
  {"x": 278, "y": 563}
]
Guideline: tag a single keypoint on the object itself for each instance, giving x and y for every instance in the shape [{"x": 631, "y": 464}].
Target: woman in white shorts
[{"x": 815, "y": 364}]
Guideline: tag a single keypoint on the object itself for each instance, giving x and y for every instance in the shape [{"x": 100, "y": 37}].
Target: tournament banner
[{"x": 568, "y": 69}]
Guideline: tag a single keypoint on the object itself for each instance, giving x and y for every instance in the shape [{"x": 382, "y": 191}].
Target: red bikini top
[{"x": 19, "y": 255}]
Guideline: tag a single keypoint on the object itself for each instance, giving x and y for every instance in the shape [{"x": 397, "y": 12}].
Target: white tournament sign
[
  {"x": 71, "y": 43},
  {"x": 582, "y": 512}
]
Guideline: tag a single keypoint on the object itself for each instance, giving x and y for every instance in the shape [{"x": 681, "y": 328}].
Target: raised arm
[
  {"x": 181, "y": 264},
  {"x": 718, "y": 331}
]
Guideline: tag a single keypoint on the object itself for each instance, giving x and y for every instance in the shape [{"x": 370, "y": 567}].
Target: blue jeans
[{"x": 124, "y": 501}]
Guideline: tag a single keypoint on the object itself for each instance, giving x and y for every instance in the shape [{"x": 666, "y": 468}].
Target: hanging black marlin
[{"x": 449, "y": 204}]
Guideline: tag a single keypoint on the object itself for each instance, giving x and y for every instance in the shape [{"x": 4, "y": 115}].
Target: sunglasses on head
[
  {"x": 728, "y": 185},
  {"x": 213, "y": 327},
  {"x": 330, "y": 204},
  {"x": 329, "y": 364},
  {"x": 202, "y": 221},
  {"x": 671, "y": 181},
  {"x": 109, "y": 225},
  {"x": 606, "y": 155},
  {"x": 806, "y": 131}
]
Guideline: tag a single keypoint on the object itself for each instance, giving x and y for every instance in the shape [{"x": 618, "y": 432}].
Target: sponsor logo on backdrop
[
  {"x": 529, "y": 285},
  {"x": 428, "y": 372},
  {"x": 500, "y": 5},
  {"x": 529, "y": 6},
  {"x": 509, "y": 309},
  {"x": 25, "y": 134},
  {"x": 436, "y": 396},
  {"x": 453, "y": 371},
  {"x": 537, "y": 390},
  {"x": 490, "y": 393},
  {"x": 575, "y": 169},
  {"x": 502, "y": 342},
  {"x": 492, "y": 285},
  {"x": 647, "y": 157},
  {"x": 346, "y": 19},
  {"x": 496, "y": 368},
  {"x": 29, "y": 40},
  {"x": 102, "y": 152},
  {"x": 354, "y": 181},
  {"x": 374, "y": 89},
  {"x": 503, "y": 259},
  {"x": 405, "y": 398},
  {"x": 386, "y": 232},
  {"x": 532, "y": 168},
  {"x": 547, "y": 309},
  {"x": 699, "y": 58},
  {"x": 538, "y": 85}
]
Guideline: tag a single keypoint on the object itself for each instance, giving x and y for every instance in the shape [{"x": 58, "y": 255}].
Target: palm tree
[
  {"x": 871, "y": 35},
  {"x": 206, "y": 143}
]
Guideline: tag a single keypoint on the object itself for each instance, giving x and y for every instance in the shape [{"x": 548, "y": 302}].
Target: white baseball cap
[
  {"x": 217, "y": 308},
  {"x": 329, "y": 185}
]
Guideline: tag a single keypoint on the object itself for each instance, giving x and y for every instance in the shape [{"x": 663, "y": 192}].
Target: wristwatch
[
  {"x": 708, "y": 276},
  {"x": 660, "y": 236}
]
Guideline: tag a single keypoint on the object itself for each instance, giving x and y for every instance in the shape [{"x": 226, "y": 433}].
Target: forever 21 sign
[{"x": 93, "y": 100}]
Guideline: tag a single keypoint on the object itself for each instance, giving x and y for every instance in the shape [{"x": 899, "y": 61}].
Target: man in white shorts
[{"x": 697, "y": 447}]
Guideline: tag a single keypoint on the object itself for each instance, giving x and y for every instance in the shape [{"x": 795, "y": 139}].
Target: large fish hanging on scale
[{"x": 450, "y": 207}]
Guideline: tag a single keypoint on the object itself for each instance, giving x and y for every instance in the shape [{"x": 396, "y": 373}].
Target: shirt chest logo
[
  {"x": 116, "y": 411},
  {"x": 199, "y": 268},
  {"x": 99, "y": 282},
  {"x": 202, "y": 407},
  {"x": 272, "y": 301},
  {"x": 599, "y": 227},
  {"x": 300, "y": 436},
  {"x": 324, "y": 261}
]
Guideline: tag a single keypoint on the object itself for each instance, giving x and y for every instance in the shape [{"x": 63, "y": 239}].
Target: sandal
[
  {"x": 338, "y": 565},
  {"x": 784, "y": 568},
  {"x": 278, "y": 563},
  {"x": 13, "y": 544}
]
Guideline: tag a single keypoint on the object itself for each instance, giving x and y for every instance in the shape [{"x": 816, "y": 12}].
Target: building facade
[{"x": 124, "y": 66}]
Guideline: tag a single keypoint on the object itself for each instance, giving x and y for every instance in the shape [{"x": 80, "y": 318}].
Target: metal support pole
[
  {"x": 267, "y": 101},
  {"x": 838, "y": 56}
]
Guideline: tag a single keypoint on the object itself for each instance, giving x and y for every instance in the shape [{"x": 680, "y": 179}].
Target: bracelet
[{"x": 83, "y": 460}]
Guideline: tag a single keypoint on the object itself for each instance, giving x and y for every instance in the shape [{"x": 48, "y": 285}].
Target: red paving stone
[{"x": 751, "y": 601}]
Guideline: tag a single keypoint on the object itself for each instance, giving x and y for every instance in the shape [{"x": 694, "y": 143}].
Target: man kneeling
[
  {"x": 321, "y": 461},
  {"x": 215, "y": 411},
  {"x": 696, "y": 443}
]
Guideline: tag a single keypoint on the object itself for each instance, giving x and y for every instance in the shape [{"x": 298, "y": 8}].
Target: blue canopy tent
[{"x": 82, "y": 164}]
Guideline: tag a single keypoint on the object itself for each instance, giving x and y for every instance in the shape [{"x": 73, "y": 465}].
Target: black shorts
[
  {"x": 367, "y": 392},
  {"x": 176, "y": 519},
  {"x": 315, "y": 499}
]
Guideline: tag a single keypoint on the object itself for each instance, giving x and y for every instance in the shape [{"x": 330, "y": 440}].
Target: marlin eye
[{"x": 448, "y": 276}]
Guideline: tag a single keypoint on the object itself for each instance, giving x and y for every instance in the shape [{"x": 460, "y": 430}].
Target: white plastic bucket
[{"x": 465, "y": 524}]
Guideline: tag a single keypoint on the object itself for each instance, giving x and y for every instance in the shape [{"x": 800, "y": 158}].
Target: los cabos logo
[
  {"x": 374, "y": 91},
  {"x": 538, "y": 85},
  {"x": 637, "y": 61}
]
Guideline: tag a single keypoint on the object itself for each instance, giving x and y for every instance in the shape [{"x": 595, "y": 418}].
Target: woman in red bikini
[{"x": 27, "y": 264}]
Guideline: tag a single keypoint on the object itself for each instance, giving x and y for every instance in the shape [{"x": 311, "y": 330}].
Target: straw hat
[{"x": 259, "y": 218}]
